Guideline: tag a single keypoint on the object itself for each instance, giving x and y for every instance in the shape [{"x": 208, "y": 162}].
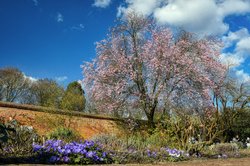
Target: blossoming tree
[{"x": 141, "y": 66}]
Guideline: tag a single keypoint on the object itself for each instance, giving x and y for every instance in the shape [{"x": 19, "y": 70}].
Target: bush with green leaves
[
  {"x": 241, "y": 125},
  {"x": 65, "y": 134},
  {"x": 73, "y": 98},
  {"x": 3, "y": 132}
]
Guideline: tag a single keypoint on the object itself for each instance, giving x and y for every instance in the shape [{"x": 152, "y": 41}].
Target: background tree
[
  {"x": 241, "y": 125},
  {"x": 46, "y": 92},
  {"x": 231, "y": 99},
  {"x": 1, "y": 91},
  {"x": 231, "y": 95},
  {"x": 73, "y": 98},
  {"x": 13, "y": 84},
  {"x": 140, "y": 66}
]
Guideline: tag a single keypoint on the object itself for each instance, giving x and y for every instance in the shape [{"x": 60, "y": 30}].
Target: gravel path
[{"x": 210, "y": 162}]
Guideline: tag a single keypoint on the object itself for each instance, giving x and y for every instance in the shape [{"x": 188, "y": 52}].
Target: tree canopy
[
  {"x": 47, "y": 93},
  {"x": 73, "y": 98},
  {"x": 141, "y": 66},
  {"x": 13, "y": 84}
]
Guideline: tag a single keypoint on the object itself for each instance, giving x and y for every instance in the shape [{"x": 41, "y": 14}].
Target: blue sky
[
  {"x": 52, "y": 38},
  {"x": 35, "y": 39}
]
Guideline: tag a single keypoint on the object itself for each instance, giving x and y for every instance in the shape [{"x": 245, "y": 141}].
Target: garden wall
[{"x": 45, "y": 120}]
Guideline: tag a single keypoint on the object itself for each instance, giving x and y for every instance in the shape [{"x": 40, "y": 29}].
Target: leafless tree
[{"x": 13, "y": 84}]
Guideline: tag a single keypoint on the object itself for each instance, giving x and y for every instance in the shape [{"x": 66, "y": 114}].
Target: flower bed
[{"x": 59, "y": 152}]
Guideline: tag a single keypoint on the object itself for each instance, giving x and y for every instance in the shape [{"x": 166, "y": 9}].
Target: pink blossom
[{"x": 144, "y": 66}]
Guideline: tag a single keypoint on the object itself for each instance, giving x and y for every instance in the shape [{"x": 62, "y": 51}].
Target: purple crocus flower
[
  {"x": 66, "y": 159},
  {"x": 67, "y": 151},
  {"x": 90, "y": 154},
  {"x": 53, "y": 159},
  {"x": 76, "y": 150},
  {"x": 148, "y": 153},
  {"x": 83, "y": 151},
  {"x": 63, "y": 152},
  {"x": 154, "y": 154},
  {"x": 37, "y": 147},
  {"x": 104, "y": 154},
  {"x": 89, "y": 143}
]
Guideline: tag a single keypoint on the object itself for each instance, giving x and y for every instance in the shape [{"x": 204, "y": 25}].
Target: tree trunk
[{"x": 150, "y": 117}]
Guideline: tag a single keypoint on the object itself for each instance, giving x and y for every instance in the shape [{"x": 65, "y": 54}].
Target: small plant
[
  {"x": 16, "y": 139},
  {"x": 241, "y": 143},
  {"x": 3, "y": 132},
  {"x": 135, "y": 149},
  {"x": 59, "y": 152},
  {"x": 248, "y": 142},
  {"x": 175, "y": 154},
  {"x": 225, "y": 149},
  {"x": 65, "y": 134}
]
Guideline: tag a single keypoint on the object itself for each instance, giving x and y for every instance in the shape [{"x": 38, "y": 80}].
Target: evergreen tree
[{"x": 73, "y": 98}]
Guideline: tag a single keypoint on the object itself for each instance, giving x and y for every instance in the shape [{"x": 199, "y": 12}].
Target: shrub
[
  {"x": 65, "y": 134},
  {"x": 224, "y": 149},
  {"x": 241, "y": 125},
  {"x": 4, "y": 133},
  {"x": 109, "y": 141},
  {"x": 16, "y": 139},
  {"x": 137, "y": 149},
  {"x": 59, "y": 152}
]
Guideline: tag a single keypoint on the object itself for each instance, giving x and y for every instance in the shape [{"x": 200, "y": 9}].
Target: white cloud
[
  {"x": 102, "y": 3},
  {"x": 228, "y": 7},
  {"x": 232, "y": 60},
  {"x": 244, "y": 45},
  {"x": 200, "y": 16},
  {"x": 120, "y": 10},
  {"x": 233, "y": 37},
  {"x": 61, "y": 78},
  {"x": 59, "y": 17},
  {"x": 145, "y": 7},
  {"x": 241, "y": 42},
  {"x": 242, "y": 76},
  {"x": 193, "y": 15},
  {"x": 32, "y": 79},
  {"x": 35, "y": 2},
  {"x": 79, "y": 27}
]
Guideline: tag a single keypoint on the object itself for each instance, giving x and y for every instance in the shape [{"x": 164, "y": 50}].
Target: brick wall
[{"x": 44, "y": 122}]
